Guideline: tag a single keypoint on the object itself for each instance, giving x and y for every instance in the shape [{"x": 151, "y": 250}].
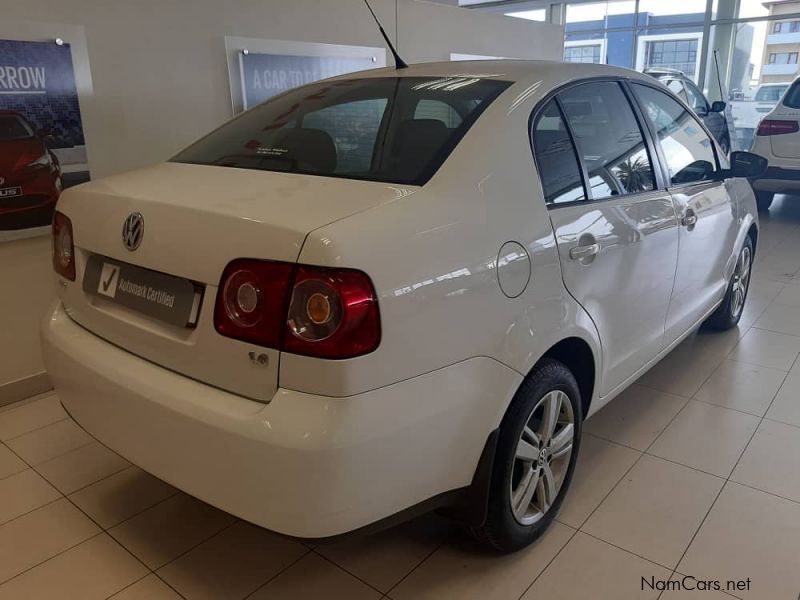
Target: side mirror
[
  {"x": 747, "y": 164},
  {"x": 718, "y": 106}
]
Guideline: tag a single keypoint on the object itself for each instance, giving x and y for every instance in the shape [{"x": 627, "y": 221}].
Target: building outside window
[
  {"x": 783, "y": 58},
  {"x": 585, "y": 52},
  {"x": 672, "y": 51}
]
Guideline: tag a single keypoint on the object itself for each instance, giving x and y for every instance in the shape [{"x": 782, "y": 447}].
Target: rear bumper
[
  {"x": 778, "y": 180},
  {"x": 303, "y": 465}
]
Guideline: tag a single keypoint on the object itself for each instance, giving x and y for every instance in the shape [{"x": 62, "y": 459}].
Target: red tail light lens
[
  {"x": 333, "y": 314},
  {"x": 777, "y": 127},
  {"x": 313, "y": 311},
  {"x": 252, "y": 299},
  {"x": 63, "y": 246}
]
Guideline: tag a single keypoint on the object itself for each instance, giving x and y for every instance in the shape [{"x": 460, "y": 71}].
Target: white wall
[{"x": 159, "y": 79}]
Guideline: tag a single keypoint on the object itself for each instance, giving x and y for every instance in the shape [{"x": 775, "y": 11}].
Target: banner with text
[
  {"x": 267, "y": 75},
  {"x": 42, "y": 147}
]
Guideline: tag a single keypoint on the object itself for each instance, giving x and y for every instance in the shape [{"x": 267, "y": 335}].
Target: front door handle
[
  {"x": 689, "y": 219},
  {"x": 581, "y": 252}
]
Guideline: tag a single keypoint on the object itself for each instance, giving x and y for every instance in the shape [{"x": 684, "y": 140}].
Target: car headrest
[
  {"x": 419, "y": 134},
  {"x": 416, "y": 144},
  {"x": 312, "y": 148}
]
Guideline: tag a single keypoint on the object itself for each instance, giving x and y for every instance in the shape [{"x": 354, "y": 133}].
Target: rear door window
[
  {"x": 676, "y": 87},
  {"x": 696, "y": 100},
  {"x": 557, "y": 162},
  {"x": 687, "y": 149},
  {"x": 391, "y": 129},
  {"x": 609, "y": 139}
]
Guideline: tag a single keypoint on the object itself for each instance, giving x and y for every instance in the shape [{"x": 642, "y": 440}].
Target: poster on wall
[
  {"x": 42, "y": 148},
  {"x": 267, "y": 75}
]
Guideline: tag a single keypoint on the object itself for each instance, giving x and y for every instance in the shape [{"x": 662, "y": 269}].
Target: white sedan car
[
  {"x": 397, "y": 290},
  {"x": 778, "y": 140}
]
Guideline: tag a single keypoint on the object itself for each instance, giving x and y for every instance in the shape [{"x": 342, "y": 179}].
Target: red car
[{"x": 30, "y": 175}]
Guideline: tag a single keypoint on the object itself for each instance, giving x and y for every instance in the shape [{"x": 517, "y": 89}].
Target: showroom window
[
  {"x": 737, "y": 51},
  {"x": 687, "y": 149},
  {"x": 609, "y": 139}
]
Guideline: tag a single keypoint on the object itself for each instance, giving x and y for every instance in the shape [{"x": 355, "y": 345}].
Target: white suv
[
  {"x": 397, "y": 291},
  {"x": 778, "y": 140}
]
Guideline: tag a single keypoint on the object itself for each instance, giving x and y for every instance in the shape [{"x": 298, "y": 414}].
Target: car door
[
  {"x": 707, "y": 215},
  {"x": 616, "y": 231}
]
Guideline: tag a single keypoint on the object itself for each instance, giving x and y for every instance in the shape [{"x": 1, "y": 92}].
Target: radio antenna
[{"x": 399, "y": 63}]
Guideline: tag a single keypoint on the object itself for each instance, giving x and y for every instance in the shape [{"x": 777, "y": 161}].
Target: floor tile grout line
[
  {"x": 75, "y": 491},
  {"x": 131, "y": 584},
  {"x": 650, "y": 560},
  {"x": 168, "y": 584},
  {"x": 727, "y": 479},
  {"x": 32, "y": 466},
  {"x": 276, "y": 575},
  {"x": 338, "y": 566},
  {"x": 35, "y": 429},
  {"x": 185, "y": 552},
  {"x": 57, "y": 554},
  {"x": 550, "y": 562},
  {"x": 447, "y": 538}
]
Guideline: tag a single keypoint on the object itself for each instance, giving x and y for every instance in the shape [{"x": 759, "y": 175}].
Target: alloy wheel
[
  {"x": 542, "y": 457},
  {"x": 741, "y": 279}
]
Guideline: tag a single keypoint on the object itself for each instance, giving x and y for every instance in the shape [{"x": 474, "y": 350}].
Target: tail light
[
  {"x": 63, "y": 246},
  {"x": 313, "y": 311},
  {"x": 777, "y": 127}
]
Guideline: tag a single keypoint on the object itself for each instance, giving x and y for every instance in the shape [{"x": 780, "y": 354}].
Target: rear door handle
[{"x": 581, "y": 252}]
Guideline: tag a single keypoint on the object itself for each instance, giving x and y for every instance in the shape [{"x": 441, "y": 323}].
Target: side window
[
  {"x": 696, "y": 100},
  {"x": 609, "y": 139},
  {"x": 439, "y": 111},
  {"x": 559, "y": 170},
  {"x": 353, "y": 126},
  {"x": 688, "y": 150},
  {"x": 676, "y": 87}
]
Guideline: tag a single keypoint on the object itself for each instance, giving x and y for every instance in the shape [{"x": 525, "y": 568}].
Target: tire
[
  {"x": 729, "y": 312},
  {"x": 550, "y": 384},
  {"x": 764, "y": 200}
]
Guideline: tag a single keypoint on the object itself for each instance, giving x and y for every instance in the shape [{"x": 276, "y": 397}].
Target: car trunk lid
[{"x": 196, "y": 219}]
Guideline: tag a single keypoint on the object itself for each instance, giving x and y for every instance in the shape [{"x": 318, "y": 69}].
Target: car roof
[{"x": 549, "y": 71}]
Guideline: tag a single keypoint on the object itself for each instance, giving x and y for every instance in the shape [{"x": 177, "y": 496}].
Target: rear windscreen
[
  {"x": 792, "y": 99},
  {"x": 393, "y": 129}
]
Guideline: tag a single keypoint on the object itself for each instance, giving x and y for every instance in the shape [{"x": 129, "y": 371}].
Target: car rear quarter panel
[{"x": 433, "y": 257}]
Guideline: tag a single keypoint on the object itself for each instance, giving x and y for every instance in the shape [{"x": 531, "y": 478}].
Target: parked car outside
[
  {"x": 778, "y": 140},
  {"x": 321, "y": 338},
  {"x": 30, "y": 176},
  {"x": 712, "y": 113}
]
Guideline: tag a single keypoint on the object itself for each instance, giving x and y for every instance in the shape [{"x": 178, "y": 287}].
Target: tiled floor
[{"x": 693, "y": 471}]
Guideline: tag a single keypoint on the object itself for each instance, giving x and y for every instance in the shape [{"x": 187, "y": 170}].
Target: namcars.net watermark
[{"x": 689, "y": 583}]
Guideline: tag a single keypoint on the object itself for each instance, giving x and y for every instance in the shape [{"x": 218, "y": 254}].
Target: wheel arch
[{"x": 576, "y": 354}]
